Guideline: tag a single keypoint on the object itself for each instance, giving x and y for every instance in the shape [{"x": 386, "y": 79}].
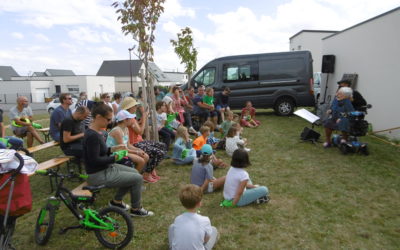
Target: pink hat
[{"x": 123, "y": 115}]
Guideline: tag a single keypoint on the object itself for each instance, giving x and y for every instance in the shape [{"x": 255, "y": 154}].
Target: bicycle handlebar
[{"x": 21, "y": 164}]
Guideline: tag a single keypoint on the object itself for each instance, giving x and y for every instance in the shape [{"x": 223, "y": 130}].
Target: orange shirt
[{"x": 199, "y": 142}]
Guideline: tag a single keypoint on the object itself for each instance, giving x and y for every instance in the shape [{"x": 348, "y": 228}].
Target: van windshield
[{"x": 206, "y": 77}]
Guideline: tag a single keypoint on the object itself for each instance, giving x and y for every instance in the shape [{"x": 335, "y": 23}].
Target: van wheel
[{"x": 284, "y": 106}]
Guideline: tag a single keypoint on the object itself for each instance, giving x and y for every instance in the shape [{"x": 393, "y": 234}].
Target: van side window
[
  {"x": 282, "y": 68},
  {"x": 243, "y": 72},
  {"x": 206, "y": 77}
]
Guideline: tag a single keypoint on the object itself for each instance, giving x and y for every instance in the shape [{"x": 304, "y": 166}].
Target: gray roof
[
  {"x": 59, "y": 72},
  {"x": 6, "y": 72},
  {"x": 39, "y": 74},
  {"x": 121, "y": 68}
]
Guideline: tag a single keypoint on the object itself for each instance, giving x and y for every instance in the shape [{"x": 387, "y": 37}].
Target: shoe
[
  {"x": 192, "y": 131},
  {"x": 121, "y": 205},
  {"x": 141, "y": 213},
  {"x": 149, "y": 179},
  {"x": 247, "y": 149},
  {"x": 326, "y": 145},
  {"x": 264, "y": 199}
]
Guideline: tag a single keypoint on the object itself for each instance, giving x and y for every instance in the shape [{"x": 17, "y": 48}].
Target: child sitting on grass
[
  {"x": 200, "y": 141},
  {"x": 226, "y": 125},
  {"x": 203, "y": 172},
  {"x": 183, "y": 152},
  {"x": 212, "y": 140},
  {"x": 190, "y": 230},
  {"x": 238, "y": 188},
  {"x": 247, "y": 111},
  {"x": 233, "y": 140}
]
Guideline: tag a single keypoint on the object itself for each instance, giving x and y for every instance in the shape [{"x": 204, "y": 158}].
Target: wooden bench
[
  {"x": 45, "y": 132},
  {"x": 80, "y": 192},
  {"x": 52, "y": 163},
  {"x": 42, "y": 146}
]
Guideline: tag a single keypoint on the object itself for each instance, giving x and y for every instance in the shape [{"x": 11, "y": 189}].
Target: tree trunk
[{"x": 145, "y": 103}]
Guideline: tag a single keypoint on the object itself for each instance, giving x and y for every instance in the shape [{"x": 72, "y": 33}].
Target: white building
[
  {"x": 371, "y": 50},
  {"x": 310, "y": 40},
  {"x": 177, "y": 78}
]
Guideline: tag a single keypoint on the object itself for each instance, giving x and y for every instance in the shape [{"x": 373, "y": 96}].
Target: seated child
[
  {"x": 226, "y": 125},
  {"x": 248, "y": 116},
  {"x": 200, "y": 141},
  {"x": 233, "y": 140},
  {"x": 212, "y": 140},
  {"x": 203, "y": 172},
  {"x": 208, "y": 99},
  {"x": 165, "y": 133},
  {"x": 238, "y": 189},
  {"x": 190, "y": 230},
  {"x": 183, "y": 152}
]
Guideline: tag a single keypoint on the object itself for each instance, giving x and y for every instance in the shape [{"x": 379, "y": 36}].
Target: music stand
[{"x": 308, "y": 134}]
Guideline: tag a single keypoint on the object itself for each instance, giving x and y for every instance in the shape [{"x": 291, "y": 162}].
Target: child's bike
[{"x": 112, "y": 226}]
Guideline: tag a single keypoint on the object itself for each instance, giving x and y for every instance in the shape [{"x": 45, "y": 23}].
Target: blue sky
[{"x": 80, "y": 34}]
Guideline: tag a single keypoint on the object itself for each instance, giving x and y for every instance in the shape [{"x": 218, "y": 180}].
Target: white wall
[
  {"x": 96, "y": 85},
  {"x": 11, "y": 89},
  {"x": 123, "y": 84},
  {"x": 372, "y": 50},
  {"x": 311, "y": 41}
]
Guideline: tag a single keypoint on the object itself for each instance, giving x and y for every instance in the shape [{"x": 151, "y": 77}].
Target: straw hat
[{"x": 128, "y": 103}]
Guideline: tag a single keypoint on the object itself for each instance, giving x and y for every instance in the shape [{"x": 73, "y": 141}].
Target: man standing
[
  {"x": 22, "y": 118},
  {"x": 83, "y": 101},
  {"x": 59, "y": 114},
  {"x": 71, "y": 132}
]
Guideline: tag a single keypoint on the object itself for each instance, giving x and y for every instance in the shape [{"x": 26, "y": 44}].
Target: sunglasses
[
  {"x": 108, "y": 96},
  {"x": 68, "y": 98}
]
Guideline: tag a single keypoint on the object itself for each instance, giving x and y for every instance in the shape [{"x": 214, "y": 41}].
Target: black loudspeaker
[
  {"x": 328, "y": 64},
  {"x": 309, "y": 134}
]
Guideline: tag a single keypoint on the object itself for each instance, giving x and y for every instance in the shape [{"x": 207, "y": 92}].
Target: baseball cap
[
  {"x": 123, "y": 115},
  {"x": 206, "y": 149}
]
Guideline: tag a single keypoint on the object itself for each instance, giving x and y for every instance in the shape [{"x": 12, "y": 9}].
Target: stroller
[
  {"x": 357, "y": 127},
  {"x": 15, "y": 200}
]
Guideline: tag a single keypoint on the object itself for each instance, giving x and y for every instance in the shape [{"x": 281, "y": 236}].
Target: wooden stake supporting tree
[
  {"x": 185, "y": 50},
  {"x": 139, "y": 19}
]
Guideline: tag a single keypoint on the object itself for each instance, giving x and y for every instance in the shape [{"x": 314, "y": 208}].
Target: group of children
[{"x": 191, "y": 230}]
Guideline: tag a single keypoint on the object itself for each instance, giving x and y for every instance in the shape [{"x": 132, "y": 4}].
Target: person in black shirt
[
  {"x": 358, "y": 100},
  {"x": 71, "y": 132},
  {"x": 101, "y": 167}
]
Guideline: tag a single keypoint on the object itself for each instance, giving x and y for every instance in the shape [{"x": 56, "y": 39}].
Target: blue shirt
[
  {"x": 58, "y": 115},
  {"x": 200, "y": 173},
  {"x": 198, "y": 98}
]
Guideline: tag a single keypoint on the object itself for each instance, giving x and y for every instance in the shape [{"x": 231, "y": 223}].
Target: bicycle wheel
[
  {"x": 123, "y": 228},
  {"x": 45, "y": 224}
]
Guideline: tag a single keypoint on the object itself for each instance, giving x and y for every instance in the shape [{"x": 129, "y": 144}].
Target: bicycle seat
[{"x": 93, "y": 189}]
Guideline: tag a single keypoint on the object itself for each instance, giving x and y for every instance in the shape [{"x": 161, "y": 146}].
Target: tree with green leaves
[
  {"x": 139, "y": 19},
  {"x": 185, "y": 50}
]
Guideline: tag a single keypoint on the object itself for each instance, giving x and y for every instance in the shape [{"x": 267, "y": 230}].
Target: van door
[{"x": 242, "y": 78}]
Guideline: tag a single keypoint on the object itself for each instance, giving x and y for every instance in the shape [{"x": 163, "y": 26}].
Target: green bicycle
[{"x": 112, "y": 226}]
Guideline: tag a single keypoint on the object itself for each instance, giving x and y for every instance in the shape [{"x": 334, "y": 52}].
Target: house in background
[
  {"x": 44, "y": 84},
  {"x": 371, "y": 51},
  {"x": 121, "y": 70},
  {"x": 6, "y": 72},
  {"x": 311, "y": 40}
]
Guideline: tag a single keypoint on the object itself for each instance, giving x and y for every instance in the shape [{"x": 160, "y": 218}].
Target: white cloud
[
  {"x": 174, "y": 9},
  {"x": 84, "y": 34},
  {"x": 42, "y": 37},
  {"x": 17, "y": 35}
]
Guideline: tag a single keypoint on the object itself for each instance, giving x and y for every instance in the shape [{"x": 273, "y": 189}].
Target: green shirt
[
  {"x": 208, "y": 99},
  {"x": 225, "y": 126}
]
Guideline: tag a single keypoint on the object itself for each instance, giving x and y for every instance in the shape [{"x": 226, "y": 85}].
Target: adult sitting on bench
[
  {"x": 71, "y": 133},
  {"x": 59, "y": 114},
  {"x": 101, "y": 167},
  {"x": 22, "y": 118}
]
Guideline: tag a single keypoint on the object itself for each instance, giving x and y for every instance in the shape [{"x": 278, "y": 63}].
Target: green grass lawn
[{"x": 320, "y": 199}]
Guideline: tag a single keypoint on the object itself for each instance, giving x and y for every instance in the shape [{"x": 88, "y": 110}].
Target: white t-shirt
[
  {"x": 231, "y": 144},
  {"x": 189, "y": 231},
  {"x": 233, "y": 179},
  {"x": 160, "y": 118}
]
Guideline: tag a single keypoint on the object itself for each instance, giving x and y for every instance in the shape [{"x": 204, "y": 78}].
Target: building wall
[
  {"x": 372, "y": 51},
  {"x": 123, "y": 84},
  {"x": 10, "y": 90},
  {"x": 311, "y": 41},
  {"x": 95, "y": 85}
]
